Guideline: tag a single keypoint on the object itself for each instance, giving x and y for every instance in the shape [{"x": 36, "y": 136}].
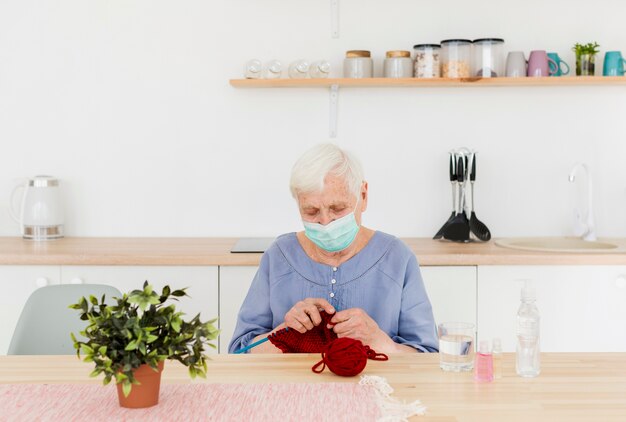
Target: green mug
[
  {"x": 613, "y": 64},
  {"x": 559, "y": 61}
]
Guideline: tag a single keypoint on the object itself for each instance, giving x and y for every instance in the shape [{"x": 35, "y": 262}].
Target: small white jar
[
  {"x": 398, "y": 64},
  {"x": 358, "y": 64}
]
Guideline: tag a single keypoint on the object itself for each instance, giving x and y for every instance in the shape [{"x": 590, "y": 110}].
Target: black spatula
[
  {"x": 439, "y": 234},
  {"x": 477, "y": 227},
  {"x": 458, "y": 228}
]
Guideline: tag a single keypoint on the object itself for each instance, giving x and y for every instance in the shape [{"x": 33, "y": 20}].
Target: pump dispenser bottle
[{"x": 527, "y": 358}]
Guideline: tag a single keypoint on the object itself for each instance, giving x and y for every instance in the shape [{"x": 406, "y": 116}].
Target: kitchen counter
[{"x": 216, "y": 251}]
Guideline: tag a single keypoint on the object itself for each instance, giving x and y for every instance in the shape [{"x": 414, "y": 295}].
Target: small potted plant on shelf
[
  {"x": 586, "y": 58},
  {"x": 130, "y": 341}
]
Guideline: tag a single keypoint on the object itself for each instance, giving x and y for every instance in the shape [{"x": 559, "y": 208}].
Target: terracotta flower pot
[{"x": 146, "y": 394}]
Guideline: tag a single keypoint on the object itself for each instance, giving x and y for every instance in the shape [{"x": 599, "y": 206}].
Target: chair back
[{"x": 46, "y": 321}]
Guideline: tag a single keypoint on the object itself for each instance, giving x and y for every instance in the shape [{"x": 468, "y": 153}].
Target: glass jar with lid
[
  {"x": 488, "y": 57},
  {"x": 427, "y": 60},
  {"x": 358, "y": 64},
  {"x": 456, "y": 56},
  {"x": 398, "y": 64}
]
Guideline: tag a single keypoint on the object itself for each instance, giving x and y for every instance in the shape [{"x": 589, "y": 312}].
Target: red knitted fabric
[
  {"x": 343, "y": 356},
  {"x": 313, "y": 341}
]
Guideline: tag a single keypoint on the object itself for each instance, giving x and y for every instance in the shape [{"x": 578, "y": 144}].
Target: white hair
[{"x": 309, "y": 172}]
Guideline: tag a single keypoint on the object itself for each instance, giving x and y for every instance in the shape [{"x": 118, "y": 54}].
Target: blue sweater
[{"x": 383, "y": 279}]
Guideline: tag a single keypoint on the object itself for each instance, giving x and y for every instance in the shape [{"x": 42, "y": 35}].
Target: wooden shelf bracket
[
  {"x": 334, "y": 110},
  {"x": 334, "y": 18}
]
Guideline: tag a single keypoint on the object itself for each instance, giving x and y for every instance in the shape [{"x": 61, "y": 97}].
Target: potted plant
[
  {"x": 130, "y": 341},
  {"x": 586, "y": 58}
]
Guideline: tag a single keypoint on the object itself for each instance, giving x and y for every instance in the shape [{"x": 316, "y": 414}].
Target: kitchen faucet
[{"x": 589, "y": 227}]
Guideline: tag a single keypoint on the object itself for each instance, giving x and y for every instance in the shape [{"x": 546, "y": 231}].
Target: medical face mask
[{"x": 336, "y": 235}]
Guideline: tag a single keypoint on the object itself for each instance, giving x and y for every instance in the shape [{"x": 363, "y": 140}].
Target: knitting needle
[{"x": 256, "y": 343}]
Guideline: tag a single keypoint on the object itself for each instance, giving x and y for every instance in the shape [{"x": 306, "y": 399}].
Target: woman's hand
[
  {"x": 357, "y": 324},
  {"x": 305, "y": 315}
]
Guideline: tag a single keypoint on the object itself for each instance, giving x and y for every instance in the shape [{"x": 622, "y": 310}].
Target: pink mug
[{"x": 539, "y": 64}]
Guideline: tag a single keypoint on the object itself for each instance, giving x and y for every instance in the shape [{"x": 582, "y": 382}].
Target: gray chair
[{"x": 46, "y": 321}]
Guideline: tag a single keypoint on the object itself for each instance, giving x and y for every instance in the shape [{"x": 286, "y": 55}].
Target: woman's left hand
[{"x": 357, "y": 324}]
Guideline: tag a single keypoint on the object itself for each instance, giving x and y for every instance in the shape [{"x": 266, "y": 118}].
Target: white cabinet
[
  {"x": 452, "y": 293},
  {"x": 16, "y": 285},
  {"x": 582, "y": 308},
  {"x": 234, "y": 285},
  {"x": 202, "y": 283},
  {"x": 451, "y": 290}
]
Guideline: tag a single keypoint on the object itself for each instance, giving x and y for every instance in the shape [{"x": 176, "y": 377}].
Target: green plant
[
  {"x": 589, "y": 48},
  {"x": 141, "y": 329}
]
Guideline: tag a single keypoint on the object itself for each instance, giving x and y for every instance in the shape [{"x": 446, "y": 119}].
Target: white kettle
[{"x": 40, "y": 214}]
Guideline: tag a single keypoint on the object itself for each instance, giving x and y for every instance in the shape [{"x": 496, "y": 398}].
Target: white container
[
  {"x": 398, "y": 64},
  {"x": 319, "y": 69},
  {"x": 427, "y": 60},
  {"x": 273, "y": 69},
  {"x": 488, "y": 57},
  {"x": 299, "y": 69},
  {"x": 253, "y": 69},
  {"x": 358, "y": 64}
]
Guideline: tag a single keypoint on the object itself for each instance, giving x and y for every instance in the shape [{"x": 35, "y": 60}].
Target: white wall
[{"x": 128, "y": 102}]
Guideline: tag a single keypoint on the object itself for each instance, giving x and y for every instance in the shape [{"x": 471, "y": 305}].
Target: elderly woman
[{"x": 368, "y": 279}]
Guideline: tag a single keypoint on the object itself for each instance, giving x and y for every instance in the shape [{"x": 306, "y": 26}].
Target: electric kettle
[{"x": 40, "y": 215}]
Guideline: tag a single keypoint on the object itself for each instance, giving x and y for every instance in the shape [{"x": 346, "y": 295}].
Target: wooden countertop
[
  {"x": 216, "y": 251},
  {"x": 571, "y": 387}
]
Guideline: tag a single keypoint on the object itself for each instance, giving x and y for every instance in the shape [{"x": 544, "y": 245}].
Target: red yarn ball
[{"x": 346, "y": 357}]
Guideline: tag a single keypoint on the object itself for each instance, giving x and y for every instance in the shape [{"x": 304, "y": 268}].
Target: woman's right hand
[{"x": 305, "y": 315}]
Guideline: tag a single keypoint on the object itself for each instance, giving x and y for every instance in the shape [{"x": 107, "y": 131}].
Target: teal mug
[
  {"x": 613, "y": 64},
  {"x": 559, "y": 62}
]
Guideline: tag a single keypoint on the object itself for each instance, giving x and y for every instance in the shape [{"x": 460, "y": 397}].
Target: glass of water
[{"x": 456, "y": 346}]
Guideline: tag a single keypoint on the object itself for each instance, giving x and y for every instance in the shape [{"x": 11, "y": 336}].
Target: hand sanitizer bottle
[
  {"x": 483, "y": 366},
  {"x": 527, "y": 359}
]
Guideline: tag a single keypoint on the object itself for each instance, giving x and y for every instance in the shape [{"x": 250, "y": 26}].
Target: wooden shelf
[{"x": 426, "y": 83}]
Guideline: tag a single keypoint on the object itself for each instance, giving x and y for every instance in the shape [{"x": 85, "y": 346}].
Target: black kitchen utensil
[
  {"x": 477, "y": 227},
  {"x": 458, "y": 228},
  {"x": 453, "y": 182}
]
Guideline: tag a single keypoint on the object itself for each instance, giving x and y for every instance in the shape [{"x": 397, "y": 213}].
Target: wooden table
[{"x": 572, "y": 386}]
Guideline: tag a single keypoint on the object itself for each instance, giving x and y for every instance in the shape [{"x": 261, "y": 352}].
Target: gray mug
[{"x": 516, "y": 64}]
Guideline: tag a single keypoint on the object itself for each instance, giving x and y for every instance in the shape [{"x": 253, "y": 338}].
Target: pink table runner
[{"x": 193, "y": 402}]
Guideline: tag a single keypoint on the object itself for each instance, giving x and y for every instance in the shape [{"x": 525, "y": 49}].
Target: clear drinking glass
[
  {"x": 253, "y": 69},
  {"x": 456, "y": 346},
  {"x": 273, "y": 69}
]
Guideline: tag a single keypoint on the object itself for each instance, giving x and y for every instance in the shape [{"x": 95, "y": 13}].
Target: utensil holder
[{"x": 463, "y": 225}]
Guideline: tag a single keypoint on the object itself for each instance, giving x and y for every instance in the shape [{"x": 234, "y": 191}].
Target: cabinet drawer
[{"x": 452, "y": 293}]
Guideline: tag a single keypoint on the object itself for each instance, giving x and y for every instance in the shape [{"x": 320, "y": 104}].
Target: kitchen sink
[{"x": 561, "y": 244}]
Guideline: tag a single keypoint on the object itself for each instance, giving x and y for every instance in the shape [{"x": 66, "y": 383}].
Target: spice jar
[
  {"x": 488, "y": 57},
  {"x": 456, "y": 58},
  {"x": 398, "y": 64},
  {"x": 358, "y": 64},
  {"x": 427, "y": 64}
]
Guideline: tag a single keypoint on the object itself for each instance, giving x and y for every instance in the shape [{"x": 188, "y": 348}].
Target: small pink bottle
[{"x": 483, "y": 365}]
